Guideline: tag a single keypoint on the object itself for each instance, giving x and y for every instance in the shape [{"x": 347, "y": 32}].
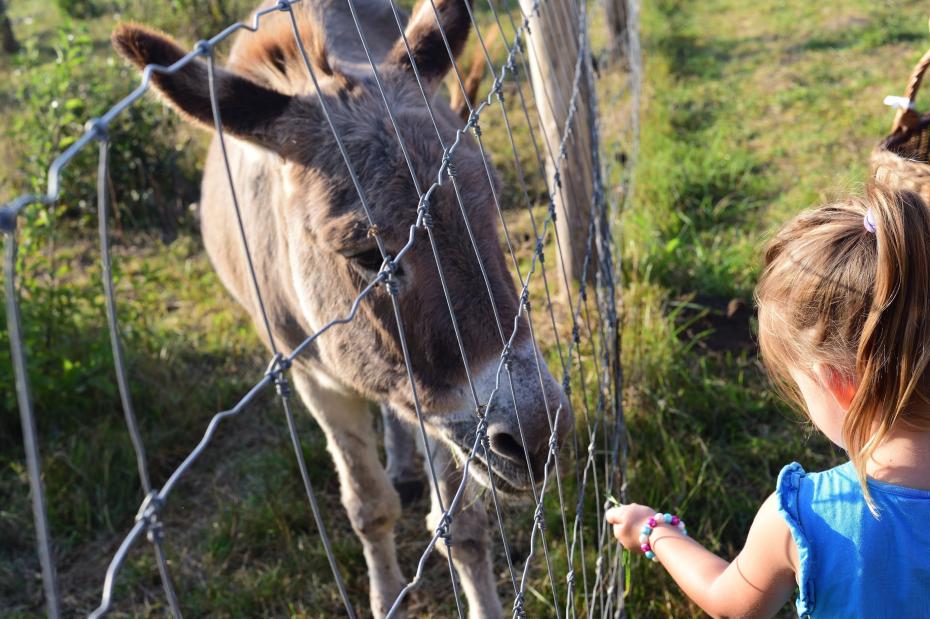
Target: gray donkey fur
[{"x": 313, "y": 251}]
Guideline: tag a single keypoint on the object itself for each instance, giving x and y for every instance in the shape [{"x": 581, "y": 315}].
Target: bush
[
  {"x": 187, "y": 19},
  {"x": 79, "y": 8},
  {"x": 153, "y": 162}
]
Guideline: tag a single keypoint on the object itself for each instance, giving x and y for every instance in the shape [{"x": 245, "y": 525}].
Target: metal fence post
[{"x": 27, "y": 418}]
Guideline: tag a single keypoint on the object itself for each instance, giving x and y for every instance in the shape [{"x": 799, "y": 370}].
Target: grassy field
[{"x": 751, "y": 111}]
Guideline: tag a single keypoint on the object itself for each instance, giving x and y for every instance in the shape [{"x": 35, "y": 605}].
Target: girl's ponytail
[
  {"x": 893, "y": 354},
  {"x": 847, "y": 286}
]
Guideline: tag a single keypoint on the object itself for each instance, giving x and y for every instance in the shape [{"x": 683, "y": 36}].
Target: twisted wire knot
[
  {"x": 553, "y": 444},
  {"x": 525, "y": 299},
  {"x": 576, "y": 334},
  {"x": 155, "y": 532},
  {"x": 283, "y": 5},
  {"x": 473, "y": 119},
  {"x": 552, "y": 214},
  {"x": 282, "y": 386},
  {"x": 151, "y": 506},
  {"x": 98, "y": 129},
  {"x": 279, "y": 365},
  {"x": 506, "y": 356},
  {"x": 498, "y": 89},
  {"x": 570, "y": 578},
  {"x": 203, "y": 47},
  {"x": 443, "y": 529},
  {"x": 148, "y": 512},
  {"x": 539, "y": 517},
  {"x": 481, "y": 430},
  {"x": 518, "y": 611},
  {"x": 449, "y": 164},
  {"x": 566, "y": 386},
  {"x": 557, "y": 177},
  {"x": 391, "y": 284},
  {"x": 423, "y": 214},
  {"x": 389, "y": 269}
]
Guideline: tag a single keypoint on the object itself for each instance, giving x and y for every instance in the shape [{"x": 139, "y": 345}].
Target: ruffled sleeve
[{"x": 787, "y": 491}]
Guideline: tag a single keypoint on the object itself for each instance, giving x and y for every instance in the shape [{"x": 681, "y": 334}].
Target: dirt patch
[{"x": 717, "y": 324}]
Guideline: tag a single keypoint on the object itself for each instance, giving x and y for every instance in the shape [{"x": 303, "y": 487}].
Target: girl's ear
[
  {"x": 248, "y": 110},
  {"x": 841, "y": 387}
]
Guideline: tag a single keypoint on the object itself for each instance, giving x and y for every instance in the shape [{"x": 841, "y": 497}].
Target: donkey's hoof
[{"x": 409, "y": 490}]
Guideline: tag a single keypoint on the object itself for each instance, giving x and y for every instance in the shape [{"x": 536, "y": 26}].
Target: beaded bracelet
[{"x": 652, "y": 523}]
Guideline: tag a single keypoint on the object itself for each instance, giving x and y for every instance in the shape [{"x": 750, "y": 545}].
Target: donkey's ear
[
  {"x": 426, "y": 41},
  {"x": 248, "y": 110}
]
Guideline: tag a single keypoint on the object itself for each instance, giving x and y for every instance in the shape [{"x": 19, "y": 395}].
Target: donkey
[{"x": 314, "y": 249}]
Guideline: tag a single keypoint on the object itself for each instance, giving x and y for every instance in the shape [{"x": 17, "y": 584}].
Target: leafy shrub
[
  {"x": 153, "y": 163},
  {"x": 78, "y": 8},
  {"x": 187, "y": 19},
  {"x": 153, "y": 176}
]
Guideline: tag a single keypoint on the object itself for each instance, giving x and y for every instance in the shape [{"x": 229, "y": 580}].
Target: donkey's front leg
[
  {"x": 471, "y": 554},
  {"x": 404, "y": 468},
  {"x": 367, "y": 495}
]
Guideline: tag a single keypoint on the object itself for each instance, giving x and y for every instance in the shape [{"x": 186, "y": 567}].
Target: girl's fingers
[
  {"x": 614, "y": 515},
  {"x": 618, "y": 533}
]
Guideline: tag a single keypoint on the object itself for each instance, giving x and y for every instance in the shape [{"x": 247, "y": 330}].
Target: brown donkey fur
[{"x": 313, "y": 251}]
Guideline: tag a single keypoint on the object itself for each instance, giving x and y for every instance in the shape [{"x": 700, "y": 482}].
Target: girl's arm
[{"x": 756, "y": 584}]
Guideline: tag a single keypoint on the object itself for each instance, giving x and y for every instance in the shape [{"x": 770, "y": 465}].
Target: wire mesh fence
[{"x": 572, "y": 567}]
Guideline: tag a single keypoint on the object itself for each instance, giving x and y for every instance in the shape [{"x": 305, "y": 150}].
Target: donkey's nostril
[{"x": 507, "y": 445}]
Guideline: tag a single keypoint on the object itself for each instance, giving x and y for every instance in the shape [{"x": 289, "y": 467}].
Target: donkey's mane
[{"x": 271, "y": 56}]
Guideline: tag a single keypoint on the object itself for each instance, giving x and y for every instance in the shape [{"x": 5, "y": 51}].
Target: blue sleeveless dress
[{"x": 852, "y": 564}]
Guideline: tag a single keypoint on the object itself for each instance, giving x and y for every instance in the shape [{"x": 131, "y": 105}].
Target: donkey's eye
[{"x": 369, "y": 260}]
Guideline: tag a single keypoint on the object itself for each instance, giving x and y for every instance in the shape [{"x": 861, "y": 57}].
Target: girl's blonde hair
[{"x": 837, "y": 294}]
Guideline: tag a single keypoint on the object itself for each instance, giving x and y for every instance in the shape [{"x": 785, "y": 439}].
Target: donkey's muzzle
[
  {"x": 510, "y": 447},
  {"x": 523, "y": 442}
]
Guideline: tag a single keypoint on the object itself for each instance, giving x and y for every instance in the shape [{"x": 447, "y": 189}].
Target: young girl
[{"x": 844, "y": 329}]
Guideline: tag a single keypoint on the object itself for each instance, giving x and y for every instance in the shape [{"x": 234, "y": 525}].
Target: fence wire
[{"x": 586, "y": 339}]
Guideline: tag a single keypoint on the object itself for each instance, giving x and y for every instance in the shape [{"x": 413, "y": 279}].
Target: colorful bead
[{"x": 649, "y": 527}]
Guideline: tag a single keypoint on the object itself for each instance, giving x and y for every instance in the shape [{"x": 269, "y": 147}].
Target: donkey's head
[{"x": 270, "y": 107}]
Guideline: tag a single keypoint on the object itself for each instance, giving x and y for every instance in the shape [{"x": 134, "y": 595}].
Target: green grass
[{"x": 751, "y": 112}]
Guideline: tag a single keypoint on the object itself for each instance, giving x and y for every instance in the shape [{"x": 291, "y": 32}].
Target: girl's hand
[{"x": 628, "y": 521}]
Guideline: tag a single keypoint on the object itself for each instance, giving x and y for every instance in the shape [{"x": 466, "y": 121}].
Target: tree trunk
[{"x": 7, "y": 40}]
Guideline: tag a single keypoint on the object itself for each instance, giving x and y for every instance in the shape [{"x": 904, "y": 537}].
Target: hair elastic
[{"x": 869, "y": 221}]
